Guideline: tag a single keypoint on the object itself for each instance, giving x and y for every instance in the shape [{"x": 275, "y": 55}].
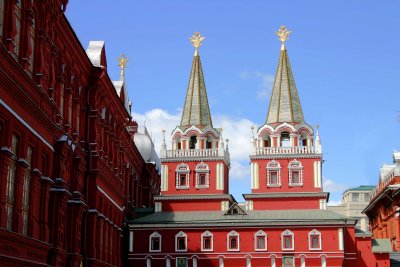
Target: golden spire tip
[
  {"x": 196, "y": 40},
  {"x": 123, "y": 60},
  {"x": 283, "y": 34}
]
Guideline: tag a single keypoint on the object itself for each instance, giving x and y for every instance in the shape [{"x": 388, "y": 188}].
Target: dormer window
[
  {"x": 182, "y": 176},
  {"x": 285, "y": 139},
  {"x": 202, "y": 175},
  {"x": 273, "y": 174},
  {"x": 295, "y": 173}
]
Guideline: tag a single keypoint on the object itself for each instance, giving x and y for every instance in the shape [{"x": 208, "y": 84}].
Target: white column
[
  {"x": 341, "y": 239},
  {"x": 248, "y": 261},
  {"x": 323, "y": 261},
  {"x": 168, "y": 262},
  {"x": 164, "y": 178},
  {"x": 273, "y": 264},
  {"x": 148, "y": 262},
  {"x": 317, "y": 174},
  {"x": 221, "y": 262},
  {"x": 194, "y": 261},
  {"x": 303, "y": 261},
  {"x": 130, "y": 241},
  {"x": 254, "y": 176}
]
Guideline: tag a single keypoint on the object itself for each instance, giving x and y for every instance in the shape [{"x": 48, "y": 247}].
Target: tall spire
[
  {"x": 284, "y": 105},
  {"x": 196, "y": 110}
]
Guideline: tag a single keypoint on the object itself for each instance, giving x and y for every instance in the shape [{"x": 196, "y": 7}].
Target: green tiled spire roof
[
  {"x": 196, "y": 110},
  {"x": 284, "y": 105}
]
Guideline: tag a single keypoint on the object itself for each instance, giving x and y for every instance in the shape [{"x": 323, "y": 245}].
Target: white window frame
[
  {"x": 180, "y": 234},
  {"x": 154, "y": 235},
  {"x": 273, "y": 166},
  {"x": 228, "y": 243},
  {"x": 311, "y": 234},
  {"x": 295, "y": 165},
  {"x": 260, "y": 233},
  {"x": 202, "y": 168},
  {"x": 211, "y": 236},
  {"x": 284, "y": 234},
  {"x": 182, "y": 169}
]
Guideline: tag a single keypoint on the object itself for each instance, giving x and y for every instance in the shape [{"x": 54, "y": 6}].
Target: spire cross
[
  {"x": 196, "y": 40},
  {"x": 283, "y": 34}
]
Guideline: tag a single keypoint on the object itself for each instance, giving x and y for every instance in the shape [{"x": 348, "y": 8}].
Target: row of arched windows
[
  {"x": 274, "y": 173},
  {"x": 233, "y": 241}
]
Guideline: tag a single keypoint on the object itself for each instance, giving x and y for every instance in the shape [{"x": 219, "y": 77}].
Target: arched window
[
  {"x": 285, "y": 139},
  {"x": 202, "y": 175},
  {"x": 314, "y": 240},
  {"x": 233, "y": 241},
  {"x": 178, "y": 143},
  {"x": 26, "y": 191},
  {"x": 16, "y": 34},
  {"x": 209, "y": 142},
  {"x": 207, "y": 241},
  {"x": 287, "y": 238},
  {"x": 181, "y": 241},
  {"x": 155, "y": 242},
  {"x": 273, "y": 174},
  {"x": 182, "y": 176},
  {"x": 192, "y": 142},
  {"x": 260, "y": 241},
  {"x": 266, "y": 141},
  {"x": 10, "y": 186},
  {"x": 295, "y": 173}
]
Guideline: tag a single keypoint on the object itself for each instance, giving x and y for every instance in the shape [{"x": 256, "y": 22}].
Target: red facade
[{"x": 69, "y": 169}]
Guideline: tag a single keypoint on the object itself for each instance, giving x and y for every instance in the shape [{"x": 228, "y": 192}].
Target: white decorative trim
[
  {"x": 233, "y": 234},
  {"x": 154, "y": 235},
  {"x": 273, "y": 166},
  {"x": 287, "y": 233},
  {"x": 312, "y": 234},
  {"x": 340, "y": 239},
  {"x": 164, "y": 177},
  {"x": 109, "y": 198},
  {"x": 21, "y": 120},
  {"x": 180, "y": 234},
  {"x": 260, "y": 233},
  {"x": 202, "y": 168},
  {"x": 182, "y": 169},
  {"x": 295, "y": 165},
  {"x": 207, "y": 234}
]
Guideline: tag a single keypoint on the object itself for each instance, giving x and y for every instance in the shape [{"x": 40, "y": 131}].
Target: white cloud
[
  {"x": 266, "y": 81},
  {"x": 237, "y": 130},
  {"x": 332, "y": 186},
  {"x": 239, "y": 170}
]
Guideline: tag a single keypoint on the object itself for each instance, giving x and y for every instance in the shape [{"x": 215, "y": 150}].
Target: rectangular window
[
  {"x": 202, "y": 179},
  {"x": 17, "y": 36},
  {"x": 233, "y": 242},
  {"x": 295, "y": 177},
  {"x": 260, "y": 242},
  {"x": 367, "y": 197},
  {"x": 207, "y": 240},
  {"x": 11, "y": 182},
  {"x": 182, "y": 180},
  {"x": 155, "y": 244},
  {"x": 181, "y": 243},
  {"x": 26, "y": 192},
  {"x": 355, "y": 197},
  {"x": 287, "y": 242},
  {"x": 273, "y": 177},
  {"x": 315, "y": 242}
]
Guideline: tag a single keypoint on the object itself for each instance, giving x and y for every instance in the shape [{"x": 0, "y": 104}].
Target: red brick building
[
  {"x": 284, "y": 221},
  {"x": 383, "y": 209},
  {"x": 70, "y": 172}
]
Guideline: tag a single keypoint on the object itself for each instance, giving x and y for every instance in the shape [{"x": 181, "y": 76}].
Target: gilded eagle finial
[
  {"x": 196, "y": 40},
  {"x": 123, "y": 61},
  {"x": 283, "y": 34}
]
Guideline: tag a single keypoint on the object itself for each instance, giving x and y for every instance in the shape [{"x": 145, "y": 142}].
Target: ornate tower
[
  {"x": 196, "y": 169},
  {"x": 285, "y": 160}
]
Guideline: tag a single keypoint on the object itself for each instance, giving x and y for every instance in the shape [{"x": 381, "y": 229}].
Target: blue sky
[{"x": 344, "y": 55}]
